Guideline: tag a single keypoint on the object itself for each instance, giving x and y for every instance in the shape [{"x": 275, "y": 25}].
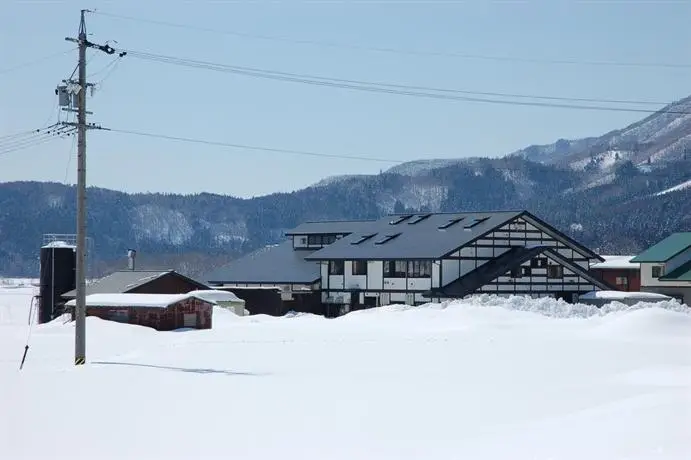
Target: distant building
[
  {"x": 620, "y": 272},
  {"x": 141, "y": 282},
  {"x": 666, "y": 267},
  {"x": 163, "y": 312},
  {"x": 413, "y": 259}
]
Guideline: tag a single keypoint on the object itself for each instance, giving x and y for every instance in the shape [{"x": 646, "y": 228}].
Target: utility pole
[{"x": 80, "y": 89}]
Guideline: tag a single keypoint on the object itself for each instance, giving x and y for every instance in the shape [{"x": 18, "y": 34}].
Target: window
[
  {"x": 622, "y": 281},
  {"x": 359, "y": 267},
  {"x": 364, "y": 238},
  {"x": 387, "y": 238},
  {"x": 657, "y": 272},
  {"x": 516, "y": 272},
  {"x": 336, "y": 267},
  {"x": 395, "y": 268},
  {"x": 420, "y": 269},
  {"x": 320, "y": 240},
  {"x": 450, "y": 223},
  {"x": 555, "y": 271},
  {"x": 526, "y": 271},
  {"x": 419, "y": 219},
  {"x": 400, "y": 219},
  {"x": 475, "y": 222},
  {"x": 538, "y": 262}
]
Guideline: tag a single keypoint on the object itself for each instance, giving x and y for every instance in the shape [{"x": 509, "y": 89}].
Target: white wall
[
  {"x": 375, "y": 275},
  {"x": 648, "y": 280}
]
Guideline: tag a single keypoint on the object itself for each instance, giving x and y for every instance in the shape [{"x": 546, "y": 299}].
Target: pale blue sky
[{"x": 158, "y": 98}]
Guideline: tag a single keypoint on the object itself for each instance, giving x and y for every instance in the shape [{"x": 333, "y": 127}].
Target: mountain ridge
[{"x": 604, "y": 191}]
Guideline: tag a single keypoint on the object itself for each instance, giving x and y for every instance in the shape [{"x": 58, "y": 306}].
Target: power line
[
  {"x": 397, "y": 89},
  {"x": 396, "y": 50},
  {"x": 250, "y": 147},
  {"x": 35, "y": 61}
]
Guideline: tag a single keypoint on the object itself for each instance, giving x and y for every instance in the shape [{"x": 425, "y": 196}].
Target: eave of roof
[{"x": 664, "y": 250}]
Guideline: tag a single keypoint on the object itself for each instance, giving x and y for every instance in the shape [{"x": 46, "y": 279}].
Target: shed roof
[
  {"x": 134, "y": 300},
  {"x": 414, "y": 236},
  {"x": 665, "y": 249},
  {"x": 682, "y": 273},
  {"x": 125, "y": 280},
  {"x": 334, "y": 227},
  {"x": 277, "y": 264},
  {"x": 216, "y": 295}
]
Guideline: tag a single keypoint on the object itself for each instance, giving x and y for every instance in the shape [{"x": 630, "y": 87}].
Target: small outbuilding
[
  {"x": 163, "y": 312},
  {"x": 224, "y": 299}
]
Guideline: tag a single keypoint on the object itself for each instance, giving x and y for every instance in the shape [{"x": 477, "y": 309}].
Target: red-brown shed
[
  {"x": 163, "y": 312},
  {"x": 619, "y": 272}
]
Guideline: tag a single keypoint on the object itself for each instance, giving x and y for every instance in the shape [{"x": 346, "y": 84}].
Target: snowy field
[{"x": 485, "y": 379}]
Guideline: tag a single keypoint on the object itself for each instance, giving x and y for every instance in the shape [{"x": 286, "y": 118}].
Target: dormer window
[
  {"x": 387, "y": 238},
  {"x": 450, "y": 223},
  {"x": 400, "y": 219},
  {"x": 476, "y": 222},
  {"x": 419, "y": 218},
  {"x": 364, "y": 238}
]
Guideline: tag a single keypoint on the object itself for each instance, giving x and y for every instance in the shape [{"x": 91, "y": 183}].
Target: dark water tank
[{"x": 58, "y": 276}]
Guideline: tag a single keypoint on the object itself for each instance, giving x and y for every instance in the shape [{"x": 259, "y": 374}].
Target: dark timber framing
[{"x": 420, "y": 257}]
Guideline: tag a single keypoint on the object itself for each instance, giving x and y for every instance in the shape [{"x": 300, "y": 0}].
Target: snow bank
[{"x": 484, "y": 378}]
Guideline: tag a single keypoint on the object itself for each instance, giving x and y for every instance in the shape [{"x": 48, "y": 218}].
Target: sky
[{"x": 436, "y": 42}]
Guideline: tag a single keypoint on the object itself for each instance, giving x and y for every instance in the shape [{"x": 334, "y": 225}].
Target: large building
[
  {"x": 417, "y": 258},
  {"x": 666, "y": 267}
]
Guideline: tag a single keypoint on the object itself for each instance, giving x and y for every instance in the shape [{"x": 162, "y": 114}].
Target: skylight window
[
  {"x": 387, "y": 238},
  {"x": 419, "y": 218},
  {"x": 476, "y": 222},
  {"x": 450, "y": 223},
  {"x": 400, "y": 219},
  {"x": 364, "y": 238}
]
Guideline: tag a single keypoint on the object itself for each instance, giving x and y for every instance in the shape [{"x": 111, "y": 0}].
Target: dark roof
[
  {"x": 682, "y": 273},
  {"x": 665, "y": 249},
  {"x": 335, "y": 227},
  {"x": 514, "y": 257},
  {"x": 279, "y": 264},
  {"x": 126, "y": 280},
  {"x": 419, "y": 236}
]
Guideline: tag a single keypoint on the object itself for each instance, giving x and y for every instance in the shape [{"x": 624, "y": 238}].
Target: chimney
[{"x": 131, "y": 255}]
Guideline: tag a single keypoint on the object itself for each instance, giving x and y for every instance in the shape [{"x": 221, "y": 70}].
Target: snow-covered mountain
[{"x": 641, "y": 171}]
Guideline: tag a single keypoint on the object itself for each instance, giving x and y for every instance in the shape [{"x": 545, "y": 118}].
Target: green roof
[
  {"x": 665, "y": 249},
  {"x": 682, "y": 273}
]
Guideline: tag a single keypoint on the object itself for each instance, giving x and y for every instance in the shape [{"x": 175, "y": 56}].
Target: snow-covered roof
[
  {"x": 620, "y": 295},
  {"x": 134, "y": 300},
  {"x": 216, "y": 295},
  {"x": 617, "y": 262},
  {"x": 59, "y": 244}
]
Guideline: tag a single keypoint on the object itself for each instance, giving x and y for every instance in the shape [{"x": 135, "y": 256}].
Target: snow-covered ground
[{"x": 482, "y": 379}]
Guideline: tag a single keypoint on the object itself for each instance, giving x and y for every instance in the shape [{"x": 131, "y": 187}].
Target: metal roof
[
  {"x": 682, "y": 273},
  {"x": 333, "y": 227},
  {"x": 414, "y": 236},
  {"x": 665, "y": 249},
  {"x": 121, "y": 282},
  {"x": 279, "y": 264}
]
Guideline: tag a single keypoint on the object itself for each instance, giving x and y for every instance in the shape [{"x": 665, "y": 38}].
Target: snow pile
[{"x": 483, "y": 378}]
